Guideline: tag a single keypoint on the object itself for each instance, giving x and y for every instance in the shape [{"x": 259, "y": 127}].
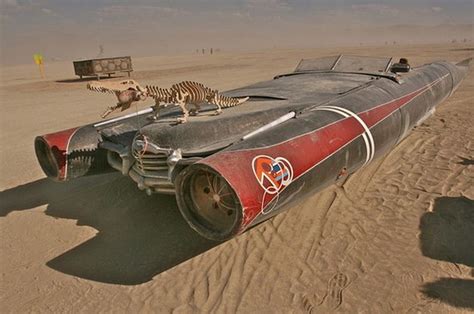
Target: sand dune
[{"x": 396, "y": 236}]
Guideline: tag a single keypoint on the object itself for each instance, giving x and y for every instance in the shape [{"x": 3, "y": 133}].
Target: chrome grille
[
  {"x": 153, "y": 165},
  {"x": 146, "y": 162}
]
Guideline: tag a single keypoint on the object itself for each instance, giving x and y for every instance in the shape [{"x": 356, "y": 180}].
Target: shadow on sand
[
  {"x": 463, "y": 49},
  {"x": 138, "y": 236},
  {"x": 447, "y": 235},
  {"x": 466, "y": 161},
  {"x": 456, "y": 292}
]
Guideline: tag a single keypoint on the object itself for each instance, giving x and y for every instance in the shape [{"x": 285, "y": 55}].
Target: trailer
[{"x": 102, "y": 66}]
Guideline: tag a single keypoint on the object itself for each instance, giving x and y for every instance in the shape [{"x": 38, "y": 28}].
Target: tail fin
[{"x": 464, "y": 63}]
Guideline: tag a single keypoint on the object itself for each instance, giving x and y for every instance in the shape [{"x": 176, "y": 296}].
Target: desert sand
[{"x": 398, "y": 236}]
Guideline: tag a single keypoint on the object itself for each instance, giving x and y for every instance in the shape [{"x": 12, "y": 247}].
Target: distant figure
[
  {"x": 211, "y": 51},
  {"x": 203, "y": 51},
  {"x": 101, "y": 51}
]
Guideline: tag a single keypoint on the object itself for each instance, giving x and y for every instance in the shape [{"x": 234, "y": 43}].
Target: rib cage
[
  {"x": 160, "y": 94},
  {"x": 191, "y": 92}
]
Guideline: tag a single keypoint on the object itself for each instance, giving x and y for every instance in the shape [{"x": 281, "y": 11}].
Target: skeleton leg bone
[
  {"x": 218, "y": 111},
  {"x": 184, "y": 119},
  {"x": 195, "y": 110},
  {"x": 109, "y": 110},
  {"x": 213, "y": 99},
  {"x": 156, "y": 110}
]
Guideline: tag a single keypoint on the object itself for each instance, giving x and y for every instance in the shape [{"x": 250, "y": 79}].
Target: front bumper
[{"x": 150, "y": 166}]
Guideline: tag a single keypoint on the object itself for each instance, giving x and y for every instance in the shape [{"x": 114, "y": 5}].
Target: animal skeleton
[
  {"x": 181, "y": 94},
  {"x": 194, "y": 93},
  {"x": 127, "y": 92}
]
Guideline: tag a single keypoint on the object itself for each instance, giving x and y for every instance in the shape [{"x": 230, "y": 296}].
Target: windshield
[
  {"x": 319, "y": 64},
  {"x": 344, "y": 63}
]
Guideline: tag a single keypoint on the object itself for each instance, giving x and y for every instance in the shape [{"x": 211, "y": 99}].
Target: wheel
[{"x": 208, "y": 202}]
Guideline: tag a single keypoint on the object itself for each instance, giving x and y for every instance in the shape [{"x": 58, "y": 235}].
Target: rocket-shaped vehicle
[{"x": 296, "y": 135}]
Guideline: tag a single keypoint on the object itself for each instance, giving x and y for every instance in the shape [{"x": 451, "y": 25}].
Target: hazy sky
[{"x": 67, "y": 29}]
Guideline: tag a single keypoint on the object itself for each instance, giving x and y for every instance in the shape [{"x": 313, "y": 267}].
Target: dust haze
[{"x": 61, "y": 30}]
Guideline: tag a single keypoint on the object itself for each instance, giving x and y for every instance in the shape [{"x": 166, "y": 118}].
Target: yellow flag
[
  {"x": 39, "y": 61},
  {"x": 38, "y": 58}
]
